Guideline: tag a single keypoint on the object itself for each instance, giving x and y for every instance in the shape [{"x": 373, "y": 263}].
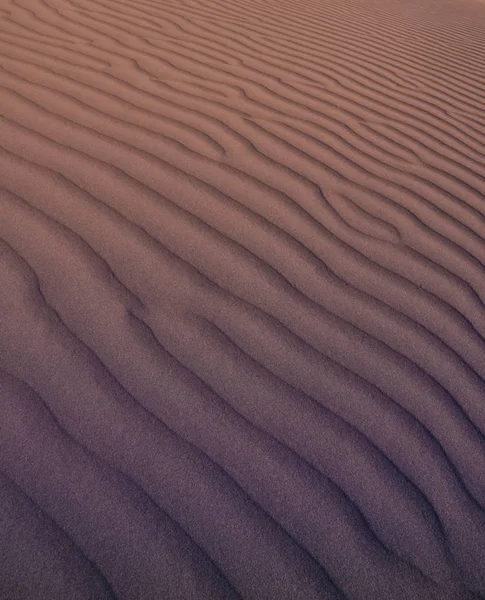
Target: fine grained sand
[{"x": 242, "y": 322}]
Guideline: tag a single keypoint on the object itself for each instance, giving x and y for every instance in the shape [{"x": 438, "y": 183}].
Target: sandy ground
[{"x": 242, "y": 286}]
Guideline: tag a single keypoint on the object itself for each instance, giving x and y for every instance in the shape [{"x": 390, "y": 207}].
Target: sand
[{"x": 242, "y": 286}]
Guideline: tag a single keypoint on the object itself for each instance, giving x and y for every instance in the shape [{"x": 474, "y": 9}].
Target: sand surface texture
[{"x": 242, "y": 286}]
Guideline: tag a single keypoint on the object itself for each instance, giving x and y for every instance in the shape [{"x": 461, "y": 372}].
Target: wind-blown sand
[{"x": 242, "y": 286}]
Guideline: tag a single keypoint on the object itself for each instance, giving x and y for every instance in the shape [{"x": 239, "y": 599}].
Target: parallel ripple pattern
[{"x": 242, "y": 287}]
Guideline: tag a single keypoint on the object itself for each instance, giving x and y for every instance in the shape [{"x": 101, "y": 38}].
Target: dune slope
[{"x": 242, "y": 300}]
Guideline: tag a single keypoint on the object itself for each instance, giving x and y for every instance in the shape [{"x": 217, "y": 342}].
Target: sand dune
[{"x": 242, "y": 320}]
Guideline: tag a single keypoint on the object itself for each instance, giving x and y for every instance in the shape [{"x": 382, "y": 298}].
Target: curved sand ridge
[{"x": 242, "y": 322}]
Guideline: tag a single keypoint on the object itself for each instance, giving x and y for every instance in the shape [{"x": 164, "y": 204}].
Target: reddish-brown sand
[{"x": 242, "y": 286}]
